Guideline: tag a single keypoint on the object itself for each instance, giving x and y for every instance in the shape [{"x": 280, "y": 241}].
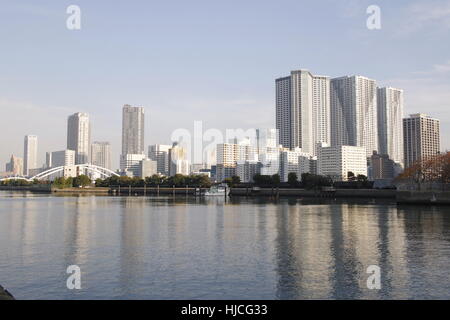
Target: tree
[
  {"x": 178, "y": 180},
  {"x": 313, "y": 181},
  {"x": 432, "y": 169},
  {"x": 261, "y": 180},
  {"x": 292, "y": 179},
  {"x": 81, "y": 181},
  {"x": 229, "y": 182},
  {"x": 276, "y": 180},
  {"x": 361, "y": 178},
  {"x": 350, "y": 176},
  {"x": 63, "y": 182},
  {"x": 236, "y": 180}
]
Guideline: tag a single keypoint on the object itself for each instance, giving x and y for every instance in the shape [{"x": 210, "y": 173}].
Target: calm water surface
[{"x": 187, "y": 248}]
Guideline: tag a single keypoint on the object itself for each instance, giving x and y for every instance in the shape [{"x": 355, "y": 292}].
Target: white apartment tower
[
  {"x": 101, "y": 154},
  {"x": 132, "y": 130},
  {"x": 30, "y": 154},
  {"x": 421, "y": 138},
  {"x": 354, "y": 112},
  {"x": 390, "y": 118},
  {"x": 303, "y": 110},
  {"x": 79, "y": 136}
]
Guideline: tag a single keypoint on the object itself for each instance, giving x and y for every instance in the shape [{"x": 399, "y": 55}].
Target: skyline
[{"x": 222, "y": 76}]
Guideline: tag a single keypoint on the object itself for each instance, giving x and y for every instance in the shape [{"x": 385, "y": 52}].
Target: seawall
[
  {"x": 303, "y": 193},
  {"x": 424, "y": 197}
]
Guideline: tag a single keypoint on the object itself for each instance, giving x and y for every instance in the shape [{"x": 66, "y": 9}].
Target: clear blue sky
[{"x": 214, "y": 61}]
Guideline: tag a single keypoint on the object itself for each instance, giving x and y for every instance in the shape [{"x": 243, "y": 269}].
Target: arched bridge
[{"x": 105, "y": 173}]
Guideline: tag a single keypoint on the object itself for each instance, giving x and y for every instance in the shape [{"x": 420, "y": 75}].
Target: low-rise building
[
  {"x": 294, "y": 161},
  {"x": 337, "y": 161},
  {"x": 131, "y": 163}
]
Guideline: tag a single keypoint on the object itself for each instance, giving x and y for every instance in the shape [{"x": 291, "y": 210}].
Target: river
[{"x": 242, "y": 248}]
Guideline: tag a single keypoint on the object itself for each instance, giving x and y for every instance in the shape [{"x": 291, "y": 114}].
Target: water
[{"x": 187, "y": 248}]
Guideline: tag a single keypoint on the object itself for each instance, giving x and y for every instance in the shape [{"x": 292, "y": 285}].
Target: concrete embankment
[
  {"x": 5, "y": 295},
  {"x": 50, "y": 189},
  {"x": 34, "y": 188},
  {"x": 424, "y": 197},
  {"x": 302, "y": 193},
  {"x": 98, "y": 191},
  {"x": 131, "y": 191}
]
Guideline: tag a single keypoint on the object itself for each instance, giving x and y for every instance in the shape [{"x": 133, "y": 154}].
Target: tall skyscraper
[
  {"x": 79, "y": 136},
  {"x": 132, "y": 130},
  {"x": 283, "y": 110},
  {"x": 30, "y": 154},
  {"x": 421, "y": 138},
  {"x": 303, "y": 110},
  {"x": 354, "y": 113},
  {"x": 390, "y": 127},
  {"x": 101, "y": 154}
]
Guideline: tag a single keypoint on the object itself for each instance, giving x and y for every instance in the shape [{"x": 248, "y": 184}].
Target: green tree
[
  {"x": 292, "y": 179},
  {"x": 236, "y": 180},
  {"x": 229, "y": 182},
  {"x": 81, "y": 181},
  {"x": 362, "y": 178},
  {"x": 276, "y": 180},
  {"x": 351, "y": 176},
  {"x": 178, "y": 180}
]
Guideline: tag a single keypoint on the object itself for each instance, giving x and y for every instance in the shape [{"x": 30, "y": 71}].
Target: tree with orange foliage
[{"x": 433, "y": 169}]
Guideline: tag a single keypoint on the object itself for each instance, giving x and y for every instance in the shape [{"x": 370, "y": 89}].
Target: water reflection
[{"x": 193, "y": 248}]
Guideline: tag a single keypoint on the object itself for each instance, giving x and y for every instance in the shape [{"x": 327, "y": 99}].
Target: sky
[{"x": 211, "y": 61}]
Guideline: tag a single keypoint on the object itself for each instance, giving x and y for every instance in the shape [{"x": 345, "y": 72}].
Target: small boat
[{"x": 218, "y": 190}]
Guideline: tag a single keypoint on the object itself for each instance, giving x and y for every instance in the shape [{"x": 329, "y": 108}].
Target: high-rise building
[
  {"x": 178, "y": 161},
  {"x": 160, "y": 154},
  {"x": 132, "y": 130},
  {"x": 30, "y": 154},
  {"x": 15, "y": 166},
  {"x": 354, "y": 113},
  {"x": 79, "y": 136},
  {"x": 101, "y": 154},
  {"x": 228, "y": 154},
  {"x": 130, "y": 164},
  {"x": 421, "y": 135},
  {"x": 147, "y": 168},
  {"x": 266, "y": 139},
  {"x": 303, "y": 110},
  {"x": 390, "y": 127},
  {"x": 246, "y": 170},
  {"x": 382, "y": 167},
  {"x": 337, "y": 161},
  {"x": 294, "y": 161},
  {"x": 64, "y": 158},
  {"x": 48, "y": 160}
]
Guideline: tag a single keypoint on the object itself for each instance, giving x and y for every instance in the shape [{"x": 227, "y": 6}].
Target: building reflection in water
[
  {"x": 191, "y": 248},
  {"x": 323, "y": 251}
]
